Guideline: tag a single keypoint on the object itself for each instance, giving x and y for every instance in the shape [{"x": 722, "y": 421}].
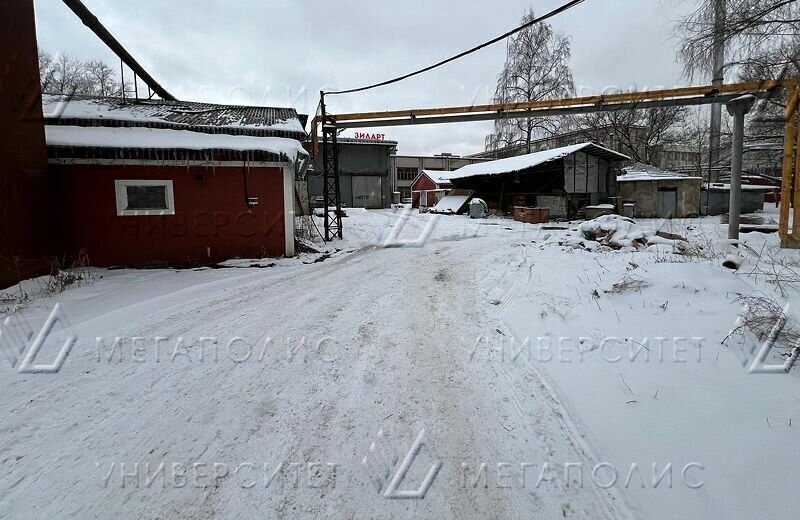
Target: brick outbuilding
[{"x": 429, "y": 187}]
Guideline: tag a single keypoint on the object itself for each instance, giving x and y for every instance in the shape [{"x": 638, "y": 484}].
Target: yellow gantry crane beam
[
  {"x": 626, "y": 97},
  {"x": 673, "y": 94},
  {"x": 790, "y": 192}
]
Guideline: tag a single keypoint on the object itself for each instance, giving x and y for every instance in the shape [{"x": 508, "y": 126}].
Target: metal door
[
  {"x": 667, "y": 204},
  {"x": 367, "y": 192}
]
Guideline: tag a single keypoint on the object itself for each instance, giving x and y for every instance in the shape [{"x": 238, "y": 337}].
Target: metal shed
[{"x": 364, "y": 168}]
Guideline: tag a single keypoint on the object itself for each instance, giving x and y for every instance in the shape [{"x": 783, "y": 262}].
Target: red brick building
[
  {"x": 429, "y": 187},
  {"x": 171, "y": 182}
]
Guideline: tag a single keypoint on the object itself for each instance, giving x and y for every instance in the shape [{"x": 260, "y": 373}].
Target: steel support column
[
  {"x": 795, "y": 242},
  {"x": 330, "y": 188},
  {"x": 737, "y": 108},
  {"x": 788, "y": 172}
]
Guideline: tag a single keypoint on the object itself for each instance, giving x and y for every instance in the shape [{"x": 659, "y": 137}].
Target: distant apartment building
[
  {"x": 673, "y": 157},
  {"x": 602, "y": 135},
  {"x": 764, "y": 158},
  {"x": 406, "y": 168}
]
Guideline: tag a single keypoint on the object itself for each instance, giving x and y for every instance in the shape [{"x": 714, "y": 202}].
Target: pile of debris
[
  {"x": 617, "y": 232},
  {"x": 614, "y": 231}
]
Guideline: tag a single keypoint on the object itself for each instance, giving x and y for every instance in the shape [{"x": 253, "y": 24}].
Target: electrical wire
[{"x": 554, "y": 12}]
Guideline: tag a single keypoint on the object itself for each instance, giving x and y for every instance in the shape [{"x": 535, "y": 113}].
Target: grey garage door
[
  {"x": 367, "y": 192},
  {"x": 667, "y": 204}
]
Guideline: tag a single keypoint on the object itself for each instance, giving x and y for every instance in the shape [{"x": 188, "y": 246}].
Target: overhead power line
[{"x": 554, "y": 12}]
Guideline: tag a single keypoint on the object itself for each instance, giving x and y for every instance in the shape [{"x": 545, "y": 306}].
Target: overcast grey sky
[{"x": 282, "y": 52}]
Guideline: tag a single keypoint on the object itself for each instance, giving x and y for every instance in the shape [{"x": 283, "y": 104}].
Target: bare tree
[
  {"x": 46, "y": 73},
  {"x": 693, "y": 134},
  {"x": 68, "y": 75},
  {"x": 781, "y": 60},
  {"x": 757, "y": 38},
  {"x": 762, "y": 40},
  {"x": 536, "y": 68},
  {"x": 751, "y": 30},
  {"x": 102, "y": 79},
  {"x": 642, "y": 134},
  {"x": 62, "y": 74}
]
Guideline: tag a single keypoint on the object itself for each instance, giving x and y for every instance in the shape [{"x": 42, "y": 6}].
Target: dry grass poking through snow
[
  {"x": 628, "y": 284},
  {"x": 760, "y": 316},
  {"x": 776, "y": 269}
]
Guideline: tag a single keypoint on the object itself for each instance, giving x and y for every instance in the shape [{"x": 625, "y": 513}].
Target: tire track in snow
[
  {"x": 307, "y": 411},
  {"x": 616, "y": 503}
]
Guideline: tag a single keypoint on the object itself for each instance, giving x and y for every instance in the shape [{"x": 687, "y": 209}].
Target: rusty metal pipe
[{"x": 91, "y": 21}]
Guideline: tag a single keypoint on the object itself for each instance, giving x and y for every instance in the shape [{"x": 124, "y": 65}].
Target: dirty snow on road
[{"x": 464, "y": 378}]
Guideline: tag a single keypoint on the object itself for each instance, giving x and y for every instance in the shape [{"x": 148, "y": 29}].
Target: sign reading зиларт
[{"x": 370, "y": 137}]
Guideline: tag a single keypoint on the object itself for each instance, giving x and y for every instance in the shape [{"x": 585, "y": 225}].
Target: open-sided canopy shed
[
  {"x": 563, "y": 179},
  {"x": 682, "y": 96}
]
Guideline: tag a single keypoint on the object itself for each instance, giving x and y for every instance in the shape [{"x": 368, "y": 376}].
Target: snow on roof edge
[
  {"x": 522, "y": 162},
  {"x": 437, "y": 176},
  {"x": 718, "y": 186},
  {"x": 94, "y": 108},
  {"x": 653, "y": 176},
  {"x": 167, "y": 139}
]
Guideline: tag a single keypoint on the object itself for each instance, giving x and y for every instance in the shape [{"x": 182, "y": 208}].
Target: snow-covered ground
[{"x": 502, "y": 351}]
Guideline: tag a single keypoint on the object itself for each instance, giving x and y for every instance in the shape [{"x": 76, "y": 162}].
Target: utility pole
[
  {"x": 717, "y": 78},
  {"x": 738, "y": 108}
]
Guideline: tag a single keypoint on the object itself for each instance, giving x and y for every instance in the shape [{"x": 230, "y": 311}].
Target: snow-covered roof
[
  {"x": 523, "y": 162},
  {"x": 655, "y": 176},
  {"x": 137, "y": 138},
  {"x": 718, "y": 186},
  {"x": 177, "y": 115},
  {"x": 437, "y": 176},
  {"x": 453, "y": 203}
]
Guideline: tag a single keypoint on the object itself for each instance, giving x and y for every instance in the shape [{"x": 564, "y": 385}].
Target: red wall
[
  {"x": 424, "y": 183},
  {"x": 26, "y": 196},
  {"x": 210, "y": 213}
]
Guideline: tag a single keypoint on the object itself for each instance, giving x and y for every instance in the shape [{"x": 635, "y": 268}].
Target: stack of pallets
[{"x": 531, "y": 215}]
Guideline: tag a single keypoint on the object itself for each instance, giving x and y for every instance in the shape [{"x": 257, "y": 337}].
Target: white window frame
[{"x": 121, "y": 189}]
